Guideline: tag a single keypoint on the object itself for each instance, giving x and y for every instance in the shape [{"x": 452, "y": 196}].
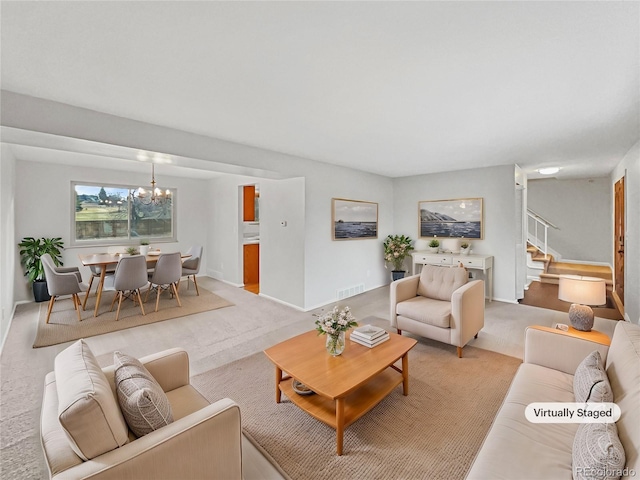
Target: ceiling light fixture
[
  {"x": 155, "y": 195},
  {"x": 548, "y": 170}
]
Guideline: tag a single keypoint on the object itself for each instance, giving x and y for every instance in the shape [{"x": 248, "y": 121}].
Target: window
[{"x": 110, "y": 214}]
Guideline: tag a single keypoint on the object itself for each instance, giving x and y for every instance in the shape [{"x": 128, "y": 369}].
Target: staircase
[{"x": 550, "y": 270}]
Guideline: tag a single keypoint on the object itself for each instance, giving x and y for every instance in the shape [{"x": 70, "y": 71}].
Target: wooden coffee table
[{"x": 347, "y": 386}]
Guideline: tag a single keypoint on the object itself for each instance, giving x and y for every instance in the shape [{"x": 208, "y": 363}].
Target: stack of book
[{"x": 369, "y": 335}]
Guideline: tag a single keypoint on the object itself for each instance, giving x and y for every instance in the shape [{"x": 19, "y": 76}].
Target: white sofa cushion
[
  {"x": 426, "y": 310},
  {"x": 597, "y": 452},
  {"x": 144, "y": 404},
  {"x": 590, "y": 382},
  {"x": 87, "y": 410},
  {"x": 517, "y": 448},
  {"x": 440, "y": 282}
]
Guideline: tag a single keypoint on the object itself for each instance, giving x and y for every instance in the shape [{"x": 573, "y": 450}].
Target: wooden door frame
[{"x": 619, "y": 235}]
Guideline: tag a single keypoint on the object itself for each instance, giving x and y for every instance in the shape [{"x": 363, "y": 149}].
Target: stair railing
[{"x": 545, "y": 224}]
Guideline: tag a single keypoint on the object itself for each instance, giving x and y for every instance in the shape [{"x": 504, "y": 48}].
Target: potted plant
[
  {"x": 465, "y": 248},
  {"x": 31, "y": 249},
  {"x": 434, "y": 245},
  {"x": 144, "y": 247},
  {"x": 396, "y": 249},
  {"x": 132, "y": 251}
]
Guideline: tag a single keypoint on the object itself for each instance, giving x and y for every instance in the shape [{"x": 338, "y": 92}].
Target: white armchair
[
  {"x": 81, "y": 417},
  {"x": 439, "y": 303}
]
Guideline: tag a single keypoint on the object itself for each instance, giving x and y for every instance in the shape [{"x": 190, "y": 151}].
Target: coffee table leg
[
  {"x": 339, "y": 424},
  {"x": 278, "y": 380},
  {"x": 405, "y": 374}
]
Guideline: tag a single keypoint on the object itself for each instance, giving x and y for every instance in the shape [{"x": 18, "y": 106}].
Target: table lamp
[{"x": 582, "y": 292}]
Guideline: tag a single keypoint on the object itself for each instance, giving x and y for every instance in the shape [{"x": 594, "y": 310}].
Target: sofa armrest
[
  {"x": 402, "y": 290},
  {"x": 467, "y": 312},
  {"x": 170, "y": 368},
  {"x": 559, "y": 350},
  {"x": 204, "y": 443}
]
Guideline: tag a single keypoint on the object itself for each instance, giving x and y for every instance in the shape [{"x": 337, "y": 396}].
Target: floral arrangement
[
  {"x": 335, "y": 321},
  {"x": 396, "y": 249},
  {"x": 434, "y": 243}
]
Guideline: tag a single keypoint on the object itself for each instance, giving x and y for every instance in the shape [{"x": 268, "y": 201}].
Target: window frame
[{"x": 129, "y": 241}]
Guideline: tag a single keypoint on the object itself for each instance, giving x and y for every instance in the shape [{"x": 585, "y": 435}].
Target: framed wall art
[
  {"x": 460, "y": 217},
  {"x": 353, "y": 219}
]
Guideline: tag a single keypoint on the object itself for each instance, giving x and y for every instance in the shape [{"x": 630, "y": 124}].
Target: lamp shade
[{"x": 582, "y": 290}]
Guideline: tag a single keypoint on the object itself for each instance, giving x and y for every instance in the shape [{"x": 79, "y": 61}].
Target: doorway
[
  {"x": 618, "y": 244},
  {"x": 251, "y": 237}
]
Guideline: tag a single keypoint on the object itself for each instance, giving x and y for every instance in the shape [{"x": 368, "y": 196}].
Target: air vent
[{"x": 350, "y": 292}]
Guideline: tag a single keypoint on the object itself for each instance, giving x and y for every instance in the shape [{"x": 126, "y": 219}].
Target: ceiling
[{"x": 394, "y": 88}]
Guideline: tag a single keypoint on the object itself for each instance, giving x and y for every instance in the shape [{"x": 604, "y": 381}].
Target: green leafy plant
[
  {"x": 132, "y": 251},
  {"x": 396, "y": 249},
  {"x": 464, "y": 245},
  {"x": 144, "y": 242},
  {"x": 434, "y": 243},
  {"x": 31, "y": 249}
]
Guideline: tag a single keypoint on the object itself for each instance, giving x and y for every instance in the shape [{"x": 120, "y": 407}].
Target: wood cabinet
[
  {"x": 251, "y": 263},
  {"x": 249, "y": 203}
]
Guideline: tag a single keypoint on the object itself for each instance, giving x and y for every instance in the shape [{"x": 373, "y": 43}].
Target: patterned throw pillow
[
  {"x": 597, "y": 452},
  {"x": 590, "y": 382},
  {"x": 144, "y": 404}
]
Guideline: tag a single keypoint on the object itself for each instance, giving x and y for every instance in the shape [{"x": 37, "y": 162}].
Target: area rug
[
  {"x": 434, "y": 432},
  {"x": 63, "y": 325}
]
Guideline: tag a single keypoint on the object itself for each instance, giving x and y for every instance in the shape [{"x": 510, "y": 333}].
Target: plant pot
[
  {"x": 144, "y": 249},
  {"x": 40, "y": 292},
  {"x": 434, "y": 249},
  {"x": 397, "y": 274},
  {"x": 464, "y": 251}
]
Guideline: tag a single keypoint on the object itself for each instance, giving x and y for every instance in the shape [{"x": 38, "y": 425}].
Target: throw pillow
[
  {"x": 590, "y": 381},
  {"x": 597, "y": 452},
  {"x": 144, "y": 404}
]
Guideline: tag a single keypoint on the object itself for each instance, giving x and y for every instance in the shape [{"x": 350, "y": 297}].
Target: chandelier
[{"x": 154, "y": 196}]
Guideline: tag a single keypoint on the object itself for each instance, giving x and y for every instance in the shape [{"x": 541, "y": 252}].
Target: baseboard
[
  {"x": 6, "y": 333},
  {"x": 277, "y": 300},
  {"x": 504, "y": 300}
]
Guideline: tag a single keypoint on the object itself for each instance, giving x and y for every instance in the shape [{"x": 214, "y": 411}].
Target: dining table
[{"x": 104, "y": 260}]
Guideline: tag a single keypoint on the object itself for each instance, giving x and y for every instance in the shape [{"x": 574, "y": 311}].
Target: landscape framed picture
[
  {"x": 353, "y": 219},
  {"x": 460, "y": 217}
]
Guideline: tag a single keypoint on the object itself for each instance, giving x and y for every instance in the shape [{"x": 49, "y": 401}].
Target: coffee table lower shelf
[{"x": 354, "y": 405}]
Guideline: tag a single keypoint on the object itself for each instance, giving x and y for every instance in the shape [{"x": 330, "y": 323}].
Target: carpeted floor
[
  {"x": 64, "y": 326},
  {"x": 433, "y": 433},
  {"x": 545, "y": 295}
]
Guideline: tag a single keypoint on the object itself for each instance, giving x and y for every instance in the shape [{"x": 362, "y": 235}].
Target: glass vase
[{"x": 335, "y": 344}]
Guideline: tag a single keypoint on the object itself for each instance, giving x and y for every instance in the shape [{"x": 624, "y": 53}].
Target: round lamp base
[{"x": 581, "y": 317}]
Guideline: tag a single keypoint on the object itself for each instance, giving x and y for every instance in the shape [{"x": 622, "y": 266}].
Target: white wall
[
  {"x": 581, "y": 208},
  {"x": 43, "y": 208},
  {"x": 332, "y": 265},
  {"x": 496, "y": 185},
  {"x": 282, "y": 252},
  {"x": 8, "y": 246},
  {"x": 629, "y": 167}
]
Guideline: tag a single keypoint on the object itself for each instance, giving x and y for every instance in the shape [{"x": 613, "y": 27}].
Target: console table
[{"x": 471, "y": 262}]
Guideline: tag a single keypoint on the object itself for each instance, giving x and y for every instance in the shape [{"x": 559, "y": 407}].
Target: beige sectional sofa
[{"x": 517, "y": 449}]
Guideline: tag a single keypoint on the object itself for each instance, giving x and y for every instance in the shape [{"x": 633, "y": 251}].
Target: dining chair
[
  {"x": 96, "y": 271},
  {"x": 62, "y": 281},
  {"x": 166, "y": 276},
  {"x": 191, "y": 266},
  {"x": 129, "y": 277}
]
